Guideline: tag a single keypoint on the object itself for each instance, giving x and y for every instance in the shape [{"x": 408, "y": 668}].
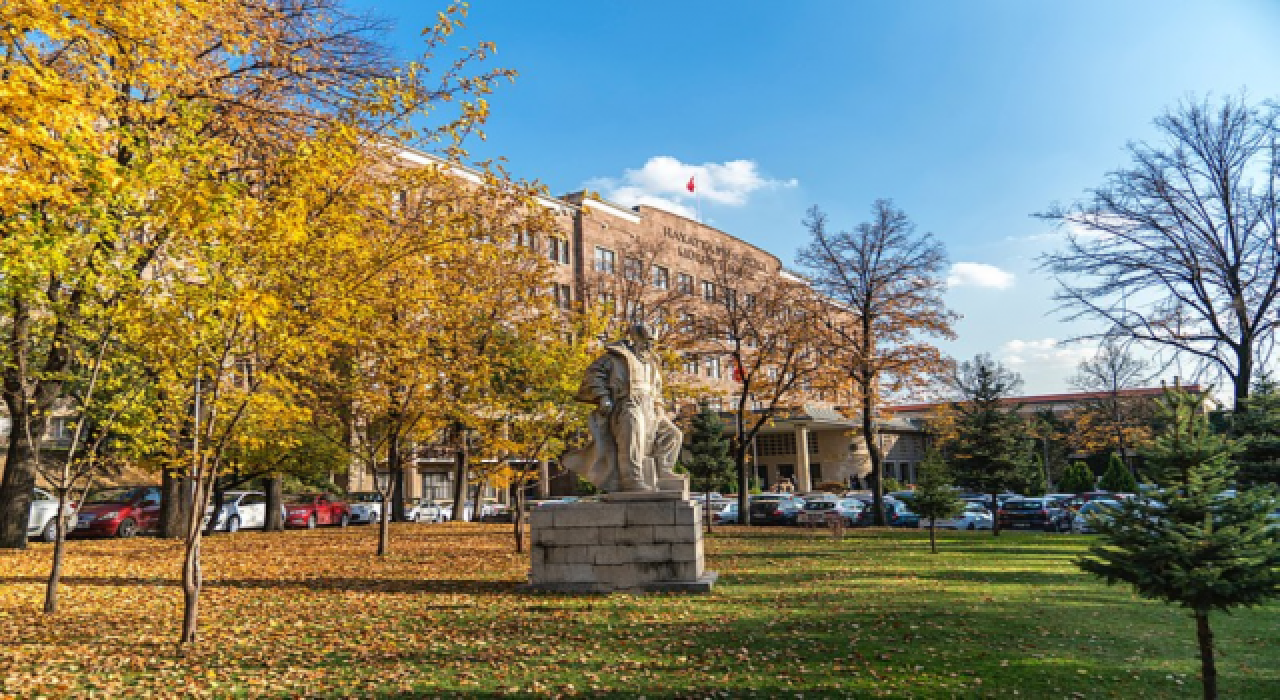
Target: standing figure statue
[{"x": 634, "y": 443}]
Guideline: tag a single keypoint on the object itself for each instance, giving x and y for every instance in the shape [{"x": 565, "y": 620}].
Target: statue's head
[{"x": 641, "y": 335}]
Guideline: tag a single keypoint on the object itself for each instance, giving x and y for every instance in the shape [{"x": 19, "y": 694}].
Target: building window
[
  {"x": 635, "y": 310},
  {"x": 712, "y": 365},
  {"x": 605, "y": 260},
  {"x": 607, "y": 298},
  {"x": 748, "y": 301},
  {"x": 776, "y": 444},
  {"x": 564, "y": 296},
  {"x": 815, "y": 474},
  {"x": 684, "y": 284},
  {"x": 708, "y": 290},
  {"x": 632, "y": 269},
  {"x": 558, "y": 250},
  {"x": 435, "y": 486},
  {"x": 525, "y": 239},
  {"x": 691, "y": 365},
  {"x": 731, "y": 298},
  {"x": 661, "y": 278}
]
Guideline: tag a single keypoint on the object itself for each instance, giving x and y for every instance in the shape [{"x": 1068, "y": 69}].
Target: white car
[
  {"x": 974, "y": 517},
  {"x": 366, "y": 507},
  {"x": 423, "y": 512},
  {"x": 241, "y": 509},
  {"x": 41, "y": 523}
]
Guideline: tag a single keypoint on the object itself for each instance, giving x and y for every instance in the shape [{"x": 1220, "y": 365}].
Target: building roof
[{"x": 1144, "y": 392}]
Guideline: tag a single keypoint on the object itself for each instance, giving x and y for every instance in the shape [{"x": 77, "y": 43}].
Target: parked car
[
  {"x": 1046, "y": 514},
  {"x": 728, "y": 515},
  {"x": 775, "y": 509},
  {"x": 896, "y": 513},
  {"x": 974, "y": 517},
  {"x": 423, "y": 511},
  {"x": 311, "y": 509},
  {"x": 42, "y": 523},
  {"x": 241, "y": 509},
  {"x": 816, "y": 511},
  {"x": 496, "y": 513},
  {"x": 119, "y": 512},
  {"x": 365, "y": 506},
  {"x": 1084, "y": 520}
]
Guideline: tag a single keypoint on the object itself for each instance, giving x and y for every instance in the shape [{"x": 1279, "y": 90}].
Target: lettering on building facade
[{"x": 705, "y": 252}]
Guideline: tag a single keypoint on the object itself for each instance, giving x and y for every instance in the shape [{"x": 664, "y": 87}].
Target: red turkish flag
[{"x": 690, "y": 185}]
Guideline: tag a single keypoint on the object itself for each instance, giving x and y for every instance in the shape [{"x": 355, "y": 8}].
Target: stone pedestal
[{"x": 627, "y": 543}]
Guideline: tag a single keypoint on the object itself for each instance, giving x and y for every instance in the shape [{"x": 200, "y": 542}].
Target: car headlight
[{"x": 111, "y": 515}]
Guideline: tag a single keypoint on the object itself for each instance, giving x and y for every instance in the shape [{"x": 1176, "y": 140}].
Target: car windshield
[
  {"x": 1095, "y": 506},
  {"x": 365, "y": 497},
  {"x": 974, "y": 508},
  {"x": 300, "y": 498},
  {"x": 1024, "y": 505},
  {"x": 113, "y": 495},
  {"x": 820, "y": 505}
]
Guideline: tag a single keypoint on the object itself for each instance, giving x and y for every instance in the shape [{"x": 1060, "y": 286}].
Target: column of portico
[
  {"x": 803, "y": 483},
  {"x": 544, "y": 479}
]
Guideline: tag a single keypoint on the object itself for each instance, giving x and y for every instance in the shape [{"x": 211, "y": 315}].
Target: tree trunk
[
  {"x": 384, "y": 525},
  {"x": 1244, "y": 376},
  {"x": 59, "y": 552},
  {"x": 517, "y": 518},
  {"x": 744, "y": 481},
  {"x": 192, "y": 575},
  {"x": 1208, "y": 669},
  {"x": 274, "y": 486},
  {"x": 870, "y": 436},
  {"x": 933, "y": 540},
  {"x": 995, "y": 510},
  {"x": 396, "y": 487},
  {"x": 19, "y": 480},
  {"x": 174, "y": 500},
  {"x": 460, "y": 484}
]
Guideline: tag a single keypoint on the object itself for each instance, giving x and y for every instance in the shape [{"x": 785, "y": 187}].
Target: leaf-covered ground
[{"x": 795, "y": 614}]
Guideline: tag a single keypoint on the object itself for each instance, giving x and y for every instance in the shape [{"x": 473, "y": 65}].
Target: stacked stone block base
[{"x": 633, "y": 546}]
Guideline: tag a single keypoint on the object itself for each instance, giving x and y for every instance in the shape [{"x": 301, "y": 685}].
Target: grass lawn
[{"x": 795, "y": 614}]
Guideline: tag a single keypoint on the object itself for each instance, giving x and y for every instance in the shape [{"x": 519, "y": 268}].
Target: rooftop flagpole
[{"x": 697, "y": 197}]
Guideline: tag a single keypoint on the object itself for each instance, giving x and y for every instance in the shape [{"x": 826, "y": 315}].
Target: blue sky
[{"x": 970, "y": 115}]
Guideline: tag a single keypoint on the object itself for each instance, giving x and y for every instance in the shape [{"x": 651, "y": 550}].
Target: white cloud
[
  {"x": 1045, "y": 353},
  {"x": 971, "y": 274},
  {"x": 662, "y": 182}
]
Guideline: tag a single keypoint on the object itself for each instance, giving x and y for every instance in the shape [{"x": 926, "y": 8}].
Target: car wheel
[
  {"x": 311, "y": 522},
  {"x": 972, "y": 526},
  {"x": 233, "y": 524},
  {"x": 50, "y": 532},
  {"x": 345, "y": 519},
  {"x": 128, "y": 528}
]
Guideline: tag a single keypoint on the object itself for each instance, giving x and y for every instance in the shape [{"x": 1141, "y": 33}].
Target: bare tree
[
  {"x": 1180, "y": 249},
  {"x": 886, "y": 282},
  {"x": 763, "y": 324},
  {"x": 1107, "y": 418}
]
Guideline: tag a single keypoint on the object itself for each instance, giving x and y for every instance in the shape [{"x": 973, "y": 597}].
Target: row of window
[
  {"x": 606, "y": 261},
  {"x": 557, "y": 248}
]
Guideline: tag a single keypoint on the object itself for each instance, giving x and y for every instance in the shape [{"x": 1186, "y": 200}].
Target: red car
[
  {"x": 311, "y": 509},
  {"x": 119, "y": 512}
]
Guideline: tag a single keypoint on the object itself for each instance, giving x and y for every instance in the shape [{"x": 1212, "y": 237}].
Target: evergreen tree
[
  {"x": 987, "y": 450},
  {"x": 710, "y": 465},
  {"x": 1033, "y": 477},
  {"x": 935, "y": 496},
  {"x": 1258, "y": 429},
  {"x": 1078, "y": 478},
  {"x": 1118, "y": 478},
  {"x": 1188, "y": 544}
]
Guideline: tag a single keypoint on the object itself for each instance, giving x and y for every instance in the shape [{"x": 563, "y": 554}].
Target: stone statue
[{"x": 634, "y": 443}]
